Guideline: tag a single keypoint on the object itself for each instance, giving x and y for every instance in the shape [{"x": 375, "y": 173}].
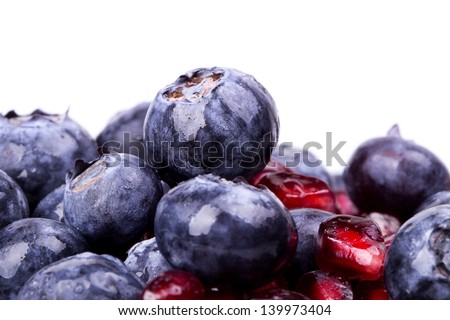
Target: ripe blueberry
[
  {"x": 216, "y": 120},
  {"x": 225, "y": 232},
  {"x": 112, "y": 201},
  {"x": 38, "y": 149},
  {"x": 418, "y": 260},
  {"x": 84, "y": 276},
  {"x": 30, "y": 244},
  {"x": 13, "y": 203},
  {"x": 123, "y": 133},
  {"x": 393, "y": 175}
]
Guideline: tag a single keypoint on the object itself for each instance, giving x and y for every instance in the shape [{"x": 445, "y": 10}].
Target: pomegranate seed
[
  {"x": 278, "y": 294},
  {"x": 370, "y": 290},
  {"x": 321, "y": 285},
  {"x": 174, "y": 285},
  {"x": 296, "y": 191},
  {"x": 344, "y": 204},
  {"x": 352, "y": 247}
]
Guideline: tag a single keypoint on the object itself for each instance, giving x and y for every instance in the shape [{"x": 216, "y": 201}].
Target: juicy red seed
[
  {"x": 297, "y": 191},
  {"x": 321, "y": 285},
  {"x": 279, "y": 283},
  {"x": 271, "y": 285},
  {"x": 278, "y": 294},
  {"x": 174, "y": 285},
  {"x": 344, "y": 204},
  {"x": 370, "y": 290},
  {"x": 352, "y": 247}
]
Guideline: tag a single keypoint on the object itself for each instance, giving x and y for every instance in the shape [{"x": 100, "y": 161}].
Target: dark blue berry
[
  {"x": 441, "y": 197},
  {"x": 124, "y": 132},
  {"x": 38, "y": 149},
  {"x": 85, "y": 276},
  {"x": 417, "y": 264},
  {"x": 215, "y": 120},
  {"x": 225, "y": 232},
  {"x": 13, "y": 203},
  {"x": 393, "y": 175},
  {"x": 146, "y": 261},
  {"x": 307, "y": 222},
  {"x": 52, "y": 205},
  {"x": 30, "y": 244},
  {"x": 112, "y": 201}
]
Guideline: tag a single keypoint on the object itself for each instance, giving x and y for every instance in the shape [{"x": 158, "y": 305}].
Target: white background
[{"x": 353, "y": 68}]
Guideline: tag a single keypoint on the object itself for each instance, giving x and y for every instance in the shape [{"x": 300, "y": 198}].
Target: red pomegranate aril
[
  {"x": 344, "y": 204},
  {"x": 296, "y": 191},
  {"x": 370, "y": 290},
  {"x": 278, "y": 294},
  {"x": 279, "y": 283},
  {"x": 174, "y": 285},
  {"x": 351, "y": 247},
  {"x": 321, "y": 285}
]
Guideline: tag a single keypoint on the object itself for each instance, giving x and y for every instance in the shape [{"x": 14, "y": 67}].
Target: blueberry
[
  {"x": 30, "y": 244},
  {"x": 112, "y": 201},
  {"x": 337, "y": 183},
  {"x": 38, "y": 149},
  {"x": 215, "y": 120},
  {"x": 225, "y": 232},
  {"x": 393, "y": 175},
  {"x": 417, "y": 264},
  {"x": 85, "y": 276},
  {"x": 301, "y": 161},
  {"x": 307, "y": 222},
  {"x": 124, "y": 133},
  {"x": 52, "y": 205},
  {"x": 13, "y": 203},
  {"x": 441, "y": 197},
  {"x": 146, "y": 261}
]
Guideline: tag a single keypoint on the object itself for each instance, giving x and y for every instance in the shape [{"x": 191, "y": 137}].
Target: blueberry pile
[{"x": 191, "y": 196}]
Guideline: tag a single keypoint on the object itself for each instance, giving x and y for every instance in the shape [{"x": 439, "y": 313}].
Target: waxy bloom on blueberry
[
  {"x": 13, "y": 203},
  {"x": 30, "y": 244},
  {"x": 85, "y": 276},
  {"x": 225, "y": 232},
  {"x": 393, "y": 175},
  {"x": 112, "y": 201},
  {"x": 418, "y": 260},
  {"x": 216, "y": 120},
  {"x": 38, "y": 149}
]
